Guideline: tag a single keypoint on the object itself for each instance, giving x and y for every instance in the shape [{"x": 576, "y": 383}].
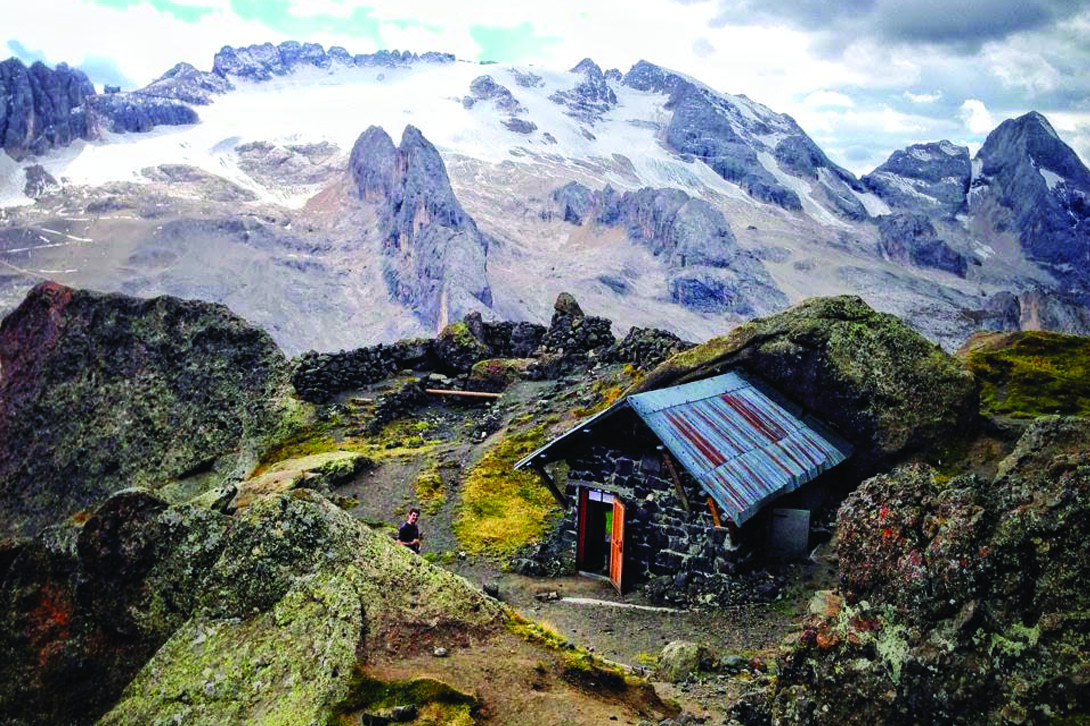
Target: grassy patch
[
  {"x": 1032, "y": 374},
  {"x": 437, "y": 702},
  {"x": 429, "y": 490},
  {"x": 503, "y": 509}
]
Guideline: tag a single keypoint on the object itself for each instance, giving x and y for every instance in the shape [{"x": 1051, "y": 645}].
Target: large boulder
[
  {"x": 165, "y": 614},
  {"x": 886, "y": 387},
  {"x": 964, "y": 600},
  {"x": 103, "y": 392}
]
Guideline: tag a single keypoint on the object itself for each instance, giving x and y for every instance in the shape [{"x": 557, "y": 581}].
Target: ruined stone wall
[{"x": 661, "y": 537}]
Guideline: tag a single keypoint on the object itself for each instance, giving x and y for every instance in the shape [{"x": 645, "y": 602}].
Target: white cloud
[
  {"x": 976, "y": 117},
  {"x": 923, "y": 97},
  {"x": 829, "y": 99}
]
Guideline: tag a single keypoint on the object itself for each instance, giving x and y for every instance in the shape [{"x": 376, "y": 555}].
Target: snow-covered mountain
[{"x": 272, "y": 183}]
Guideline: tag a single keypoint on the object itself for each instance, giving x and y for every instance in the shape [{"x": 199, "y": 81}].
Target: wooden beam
[
  {"x": 550, "y": 484},
  {"x": 475, "y": 394},
  {"x": 715, "y": 513},
  {"x": 677, "y": 481}
]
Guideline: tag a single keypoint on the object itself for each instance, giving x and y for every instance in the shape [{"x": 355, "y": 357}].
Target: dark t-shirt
[{"x": 407, "y": 533}]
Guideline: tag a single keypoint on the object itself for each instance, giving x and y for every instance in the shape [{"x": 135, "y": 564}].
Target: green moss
[
  {"x": 430, "y": 491},
  {"x": 369, "y": 694},
  {"x": 502, "y": 509},
  {"x": 1032, "y": 374}
]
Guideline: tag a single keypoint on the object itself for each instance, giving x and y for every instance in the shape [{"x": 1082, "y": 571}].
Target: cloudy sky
[{"x": 863, "y": 77}]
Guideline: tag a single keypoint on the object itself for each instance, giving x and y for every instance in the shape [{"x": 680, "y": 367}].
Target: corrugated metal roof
[{"x": 742, "y": 446}]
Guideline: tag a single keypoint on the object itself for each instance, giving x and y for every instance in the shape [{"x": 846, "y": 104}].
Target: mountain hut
[{"x": 669, "y": 481}]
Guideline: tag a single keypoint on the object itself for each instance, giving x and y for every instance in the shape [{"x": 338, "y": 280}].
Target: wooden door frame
[{"x": 617, "y": 546}]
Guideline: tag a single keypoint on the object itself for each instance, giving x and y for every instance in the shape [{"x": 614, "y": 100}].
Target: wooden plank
[
  {"x": 550, "y": 485},
  {"x": 677, "y": 481},
  {"x": 715, "y": 513},
  {"x": 616, "y": 547},
  {"x": 473, "y": 394}
]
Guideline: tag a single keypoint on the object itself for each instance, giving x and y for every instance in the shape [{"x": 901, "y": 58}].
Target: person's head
[{"x": 414, "y": 514}]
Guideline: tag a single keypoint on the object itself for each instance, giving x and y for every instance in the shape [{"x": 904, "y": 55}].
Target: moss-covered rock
[
  {"x": 1032, "y": 373},
  {"x": 300, "y": 592},
  {"x": 460, "y": 345},
  {"x": 496, "y": 374},
  {"x": 103, "y": 392},
  {"x": 964, "y": 601},
  {"x": 886, "y": 387}
]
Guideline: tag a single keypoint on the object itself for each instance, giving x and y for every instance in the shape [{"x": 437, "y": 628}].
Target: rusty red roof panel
[{"x": 743, "y": 447}]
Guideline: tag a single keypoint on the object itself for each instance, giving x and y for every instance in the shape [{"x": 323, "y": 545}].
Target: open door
[{"x": 616, "y": 544}]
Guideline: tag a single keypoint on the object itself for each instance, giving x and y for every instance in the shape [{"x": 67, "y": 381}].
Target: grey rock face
[
  {"x": 932, "y": 178},
  {"x": 433, "y": 253},
  {"x": 185, "y": 83},
  {"x": 591, "y": 98},
  {"x": 262, "y": 62},
  {"x": 912, "y": 239},
  {"x": 711, "y": 273},
  {"x": 42, "y": 108},
  {"x": 731, "y": 133},
  {"x": 137, "y": 112},
  {"x": 38, "y": 181},
  {"x": 1045, "y": 187},
  {"x": 520, "y": 126},
  {"x": 484, "y": 88},
  {"x": 1001, "y": 312},
  {"x": 527, "y": 79}
]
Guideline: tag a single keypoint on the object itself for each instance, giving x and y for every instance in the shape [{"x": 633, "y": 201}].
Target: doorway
[{"x": 600, "y": 548}]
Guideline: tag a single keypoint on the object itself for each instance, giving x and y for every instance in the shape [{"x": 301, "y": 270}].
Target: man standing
[{"x": 409, "y": 533}]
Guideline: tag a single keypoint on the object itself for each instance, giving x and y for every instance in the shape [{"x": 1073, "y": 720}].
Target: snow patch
[
  {"x": 976, "y": 167},
  {"x": 12, "y": 181},
  {"x": 874, "y": 204},
  {"x": 1052, "y": 179},
  {"x": 950, "y": 149},
  {"x": 921, "y": 154},
  {"x": 802, "y": 188},
  {"x": 983, "y": 251}
]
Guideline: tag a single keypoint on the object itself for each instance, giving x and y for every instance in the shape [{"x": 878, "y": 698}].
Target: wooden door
[
  {"x": 581, "y": 523},
  {"x": 616, "y": 547}
]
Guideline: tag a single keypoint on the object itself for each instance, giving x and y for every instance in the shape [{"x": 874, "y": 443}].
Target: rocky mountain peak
[
  {"x": 1044, "y": 186},
  {"x": 263, "y": 61},
  {"x": 930, "y": 177},
  {"x": 433, "y": 253},
  {"x": 42, "y": 108},
  {"x": 591, "y": 98}
]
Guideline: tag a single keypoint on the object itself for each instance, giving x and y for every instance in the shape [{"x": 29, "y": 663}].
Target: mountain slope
[{"x": 255, "y": 203}]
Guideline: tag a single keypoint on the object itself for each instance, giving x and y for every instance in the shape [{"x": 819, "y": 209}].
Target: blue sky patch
[{"x": 510, "y": 44}]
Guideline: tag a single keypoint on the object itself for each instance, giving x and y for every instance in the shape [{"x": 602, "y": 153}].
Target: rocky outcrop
[
  {"x": 646, "y": 347},
  {"x": 42, "y": 108},
  {"x": 574, "y": 334},
  {"x": 185, "y": 83},
  {"x": 591, "y": 98},
  {"x": 140, "y": 112},
  {"x": 885, "y": 387},
  {"x": 152, "y": 611},
  {"x": 520, "y": 126},
  {"x": 1034, "y": 184},
  {"x": 264, "y": 61},
  {"x": 39, "y": 182},
  {"x": 963, "y": 600},
  {"x": 484, "y": 88},
  {"x": 912, "y": 239},
  {"x": 103, "y": 392},
  {"x": 929, "y": 178},
  {"x": 433, "y": 253},
  {"x": 711, "y": 273}
]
